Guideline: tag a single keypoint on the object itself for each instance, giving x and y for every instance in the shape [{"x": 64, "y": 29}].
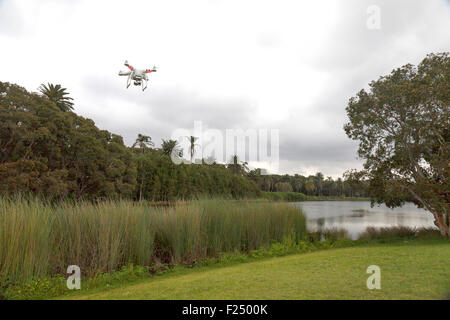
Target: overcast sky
[{"x": 287, "y": 65}]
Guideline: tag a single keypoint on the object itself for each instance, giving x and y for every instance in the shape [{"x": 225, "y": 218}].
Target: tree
[
  {"x": 143, "y": 142},
  {"x": 54, "y": 154},
  {"x": 329, "y": 186},
  {"x": 310, "y": 186},
  {"x": 402, "y": 125},
  {"x": 318, "y": 178},
  {"x": 339, "y": 187},
  {"x": 283, "y": 187},
  {"x": 238, "y": 167},
  {"x": 57, "y": 154},
  {"x": 192, "y": 146},
  {"x": 170, "y": 147},
  {"x": 58, "y": 95}
]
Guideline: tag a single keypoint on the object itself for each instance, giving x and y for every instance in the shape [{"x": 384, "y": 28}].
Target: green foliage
[
  {"x": 49, "y": 287},
  {"x": 36, "y": 289},
  {"x": 58, "y": 95},
  {"x": 40, "y": 239},
  {"x": 328, "y": 234},
  {"x": 192, "y": 146},
  {"x": 312, "y": 186},
  {"x": 402, "y": 124},
  {"x": 322, "y": 198},
  {"x": 170, "y": 147},
  {"x": 283, "y": 196},
  {"x": 372, "y": 233},
  {"x": 159, "y": 179},
  {"x": 143, "y": 142},
  {"x": 51, "y": 153},
  {"x": 237, "y": 167}
]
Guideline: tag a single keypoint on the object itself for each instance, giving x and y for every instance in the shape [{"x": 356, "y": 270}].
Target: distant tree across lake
[{"x": 312, "y": 185}]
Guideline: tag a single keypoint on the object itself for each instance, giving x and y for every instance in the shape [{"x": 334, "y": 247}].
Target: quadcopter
[{"x": 138, "y": 76}]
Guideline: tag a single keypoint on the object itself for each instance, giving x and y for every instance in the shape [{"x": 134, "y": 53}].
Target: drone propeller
[
  {"x": 128, "y": 65},
  {"x": 154, "y": 69}
]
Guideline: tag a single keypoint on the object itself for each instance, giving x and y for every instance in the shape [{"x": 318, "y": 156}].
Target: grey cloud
[
  {"x": 16, "y": 23},
  {"x": 310, "y": 150},
  {"x": 269, "y": 40},
  {"x": 11, "y": 21},
  {"x": 331, "y": 152},
  {"x": 326, "y": 166},
  {"x": 352, "y": 45},
  {"x": 169, "y": 108}
]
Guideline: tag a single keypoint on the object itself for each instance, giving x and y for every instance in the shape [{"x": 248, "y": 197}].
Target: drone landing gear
[
  {"x": 144, "y": 85},
  {"x": 128, "y": 81}
]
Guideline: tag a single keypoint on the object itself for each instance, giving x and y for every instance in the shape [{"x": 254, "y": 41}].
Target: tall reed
[{"x": 41, "y": 239}]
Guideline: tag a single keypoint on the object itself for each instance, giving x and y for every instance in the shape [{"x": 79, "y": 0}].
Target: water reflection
[{"x": 356, "y": 216}]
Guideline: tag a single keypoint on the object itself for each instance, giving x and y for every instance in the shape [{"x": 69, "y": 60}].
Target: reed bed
[{"x": 41, "y": 239}]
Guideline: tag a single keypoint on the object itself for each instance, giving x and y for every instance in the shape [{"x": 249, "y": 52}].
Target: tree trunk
[
  {"x": 140, "y": 190},
  {"x": 442, "y": 222}
]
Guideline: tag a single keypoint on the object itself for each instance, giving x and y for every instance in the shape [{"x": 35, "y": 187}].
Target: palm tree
[
  {"x": 171, "y": 146},
  {"x": 310, "y": 186},
  {"x": 58, "y": 95},
  {"x": 143, "y": 142},
  {"x": 192, "y": 145},
  {"x": 319, "y": 182}
]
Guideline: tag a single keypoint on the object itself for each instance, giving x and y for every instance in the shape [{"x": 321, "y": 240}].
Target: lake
[{"x": 356, "y": 216}]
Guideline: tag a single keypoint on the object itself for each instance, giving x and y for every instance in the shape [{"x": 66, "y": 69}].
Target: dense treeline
[
  {"x": 49, "y": 151},
  {"x": 160, "y": 179},
  {"x": 313, "y": 185}
]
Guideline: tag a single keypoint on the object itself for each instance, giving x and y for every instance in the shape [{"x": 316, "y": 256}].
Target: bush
[
  {"x": 372, "y": 233},
  {"x": 331, "y": 234}
]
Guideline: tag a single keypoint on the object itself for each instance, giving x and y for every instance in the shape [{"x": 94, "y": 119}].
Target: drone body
[{"x": 138, "y": 76}]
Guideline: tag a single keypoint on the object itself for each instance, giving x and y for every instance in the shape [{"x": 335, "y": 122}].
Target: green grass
[{"x": 409, "y": 270}]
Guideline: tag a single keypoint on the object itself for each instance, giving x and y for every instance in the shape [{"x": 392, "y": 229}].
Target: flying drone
[{"x": 138, "y": 76}]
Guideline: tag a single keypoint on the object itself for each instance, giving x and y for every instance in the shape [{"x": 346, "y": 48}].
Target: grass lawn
[{"x": 415, "y": 270}]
